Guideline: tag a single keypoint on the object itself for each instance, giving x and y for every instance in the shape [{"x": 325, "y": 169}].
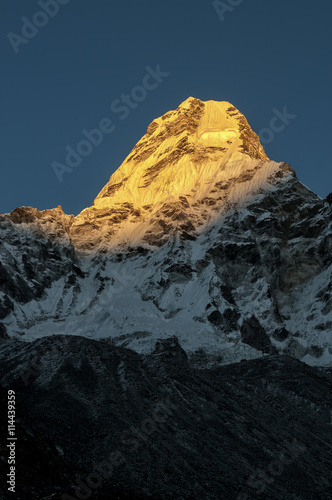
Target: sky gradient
[{"x": 73, "y": 71}]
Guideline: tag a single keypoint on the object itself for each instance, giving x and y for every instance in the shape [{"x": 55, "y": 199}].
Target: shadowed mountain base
[{"x": 155, "y": 427}]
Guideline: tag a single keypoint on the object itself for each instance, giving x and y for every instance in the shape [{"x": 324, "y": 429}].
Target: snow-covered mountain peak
[
  {"x": 192, "y": 166},
  {"x": 179, "y": 149},
  {"x": 197, "y": 234}
]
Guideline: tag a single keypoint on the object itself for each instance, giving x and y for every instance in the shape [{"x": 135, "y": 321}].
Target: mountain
[
  {"x": 197, "y": 234},
  {"x": 161, "y": 343}
]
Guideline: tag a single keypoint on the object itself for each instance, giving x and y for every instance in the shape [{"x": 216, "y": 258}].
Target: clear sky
[{"x": 63, "y": 77}]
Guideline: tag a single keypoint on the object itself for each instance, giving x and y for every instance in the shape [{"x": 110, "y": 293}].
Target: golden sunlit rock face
[
  {"x": 192, "y": 166},
  {"x": 52, "y": 224}
]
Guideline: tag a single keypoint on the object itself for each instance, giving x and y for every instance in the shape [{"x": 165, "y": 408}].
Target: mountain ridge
[{"x": 153, "y": 426}]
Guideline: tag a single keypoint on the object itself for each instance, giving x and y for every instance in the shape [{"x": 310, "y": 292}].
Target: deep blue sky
[{"x": 264, "y": 55}]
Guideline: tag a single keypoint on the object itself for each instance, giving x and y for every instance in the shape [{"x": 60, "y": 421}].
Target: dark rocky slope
[{"x": 256, "y": 429}]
